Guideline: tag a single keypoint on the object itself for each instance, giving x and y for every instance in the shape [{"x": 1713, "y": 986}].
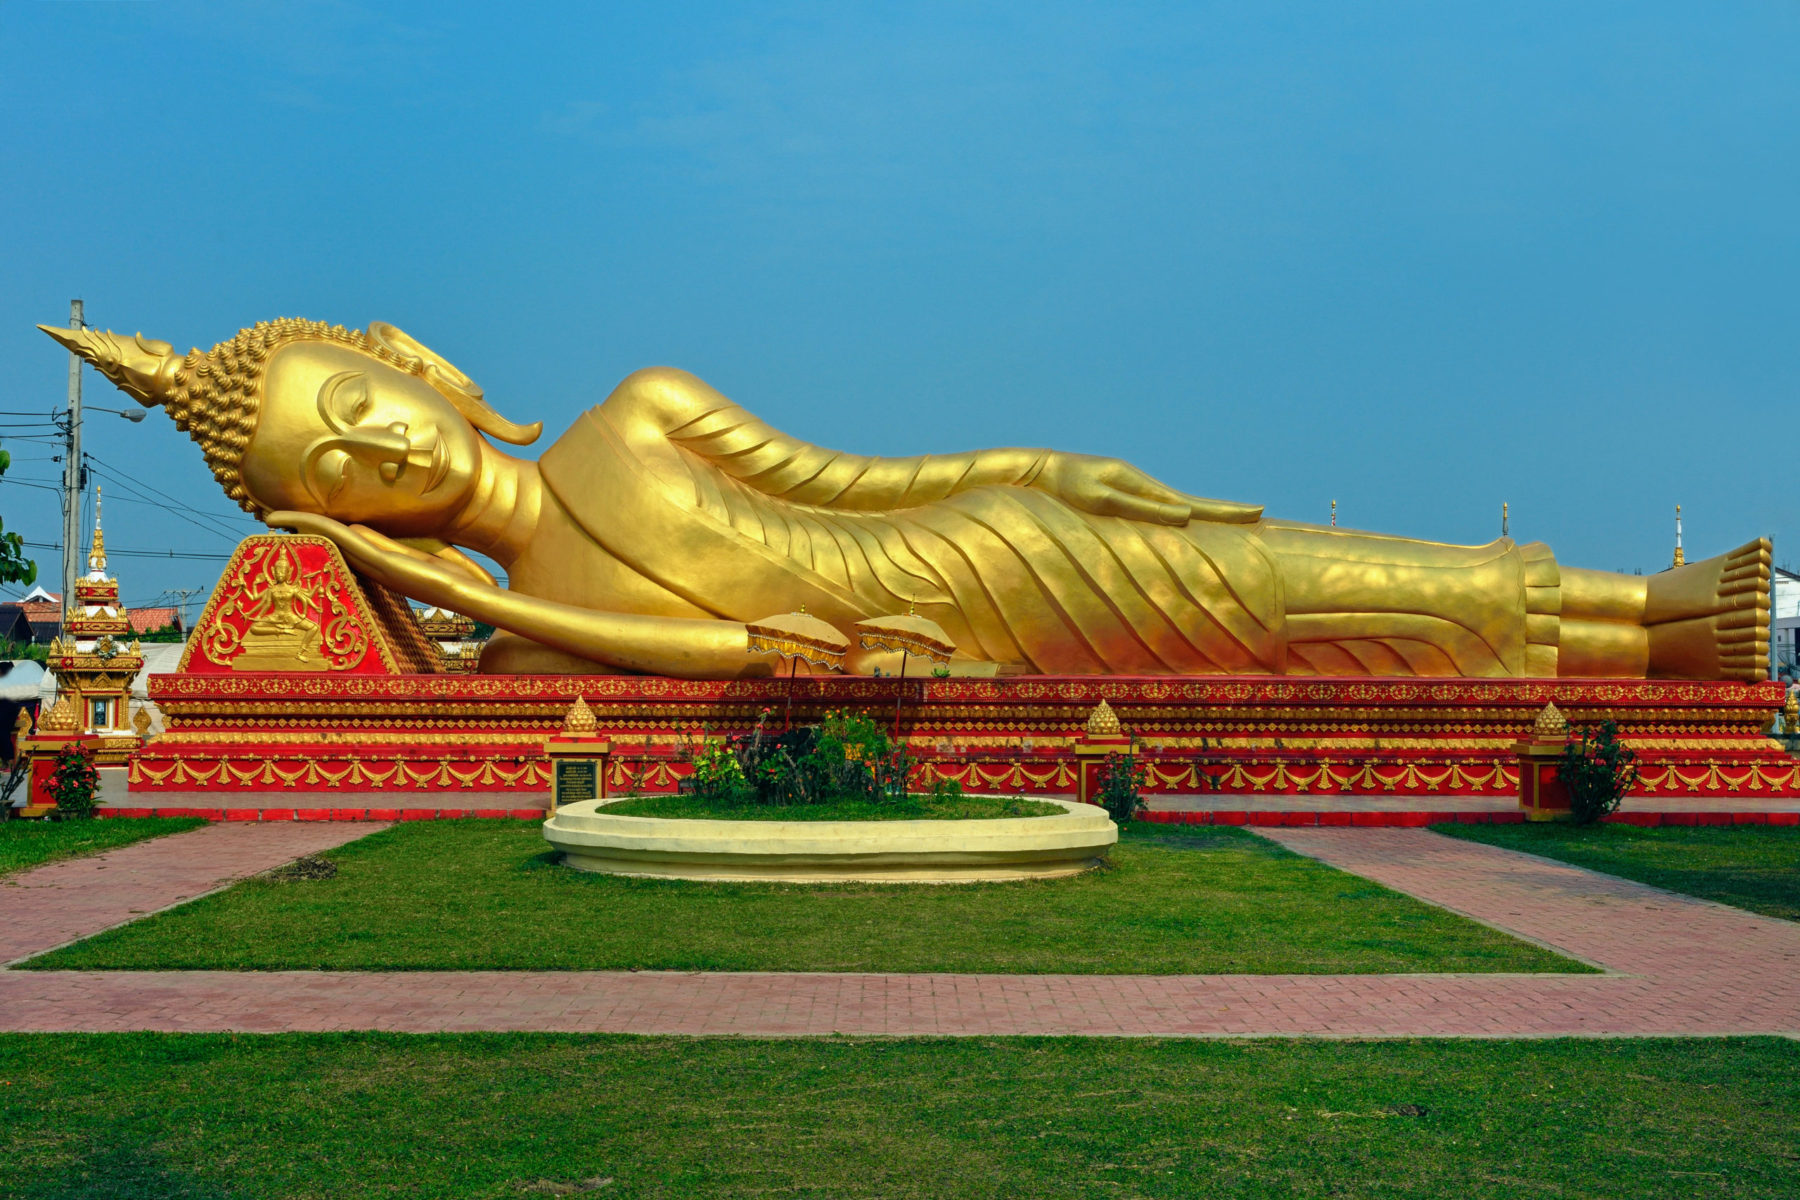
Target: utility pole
[
  {"x": 71, "y": 531},
  {"x": 182, "y": 596}
]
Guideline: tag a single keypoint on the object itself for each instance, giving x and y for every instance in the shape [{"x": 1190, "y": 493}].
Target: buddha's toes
[{"x": 1710, "y": 619}]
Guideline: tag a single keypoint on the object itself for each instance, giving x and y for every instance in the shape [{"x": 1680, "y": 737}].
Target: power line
[
  {"x": 192, "y": 516},
  {"x": 111, "y": 553},
  {"x": 212, "y": 529},
  {"x": 108, "y": 467}
]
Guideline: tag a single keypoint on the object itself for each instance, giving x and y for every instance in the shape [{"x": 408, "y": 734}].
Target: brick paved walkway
[
  {"x": 1682, "y": 966},
  {"x": 79, "y": 897}
]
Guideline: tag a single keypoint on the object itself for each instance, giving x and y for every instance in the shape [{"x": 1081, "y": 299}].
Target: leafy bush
[
  {"x": 1598, "y": 771},
  {"x": 74, "y": 783},
  {"x": 1122, "y": 782},
  {"x": 29, "y": 651}
]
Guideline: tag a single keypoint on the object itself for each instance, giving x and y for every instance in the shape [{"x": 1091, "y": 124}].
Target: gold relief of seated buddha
[{"x": 645, "y": 537}]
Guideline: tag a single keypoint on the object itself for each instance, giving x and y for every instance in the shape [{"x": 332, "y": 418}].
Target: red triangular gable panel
[{"x": 291, "y": 604}]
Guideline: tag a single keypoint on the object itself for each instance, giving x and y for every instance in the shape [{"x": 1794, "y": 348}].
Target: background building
[{"x": 1784, "y": 618}]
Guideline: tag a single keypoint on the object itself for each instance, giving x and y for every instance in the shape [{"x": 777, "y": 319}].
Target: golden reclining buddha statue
[{"x": 645, "y": 537}]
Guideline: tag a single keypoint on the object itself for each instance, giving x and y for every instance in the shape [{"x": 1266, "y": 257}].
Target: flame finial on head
[{"x": 143, "y": 368}]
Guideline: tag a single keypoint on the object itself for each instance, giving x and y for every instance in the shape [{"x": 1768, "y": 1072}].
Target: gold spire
[
  {"x": 97, "y": 556},
  {"x": 1680, "y": 558}
]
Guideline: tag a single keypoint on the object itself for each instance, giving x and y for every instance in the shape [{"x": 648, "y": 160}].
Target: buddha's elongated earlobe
[{"x": 454, "y": 385}]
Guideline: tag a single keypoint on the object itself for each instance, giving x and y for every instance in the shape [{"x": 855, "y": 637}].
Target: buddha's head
[{"x": 360, "y": 427}]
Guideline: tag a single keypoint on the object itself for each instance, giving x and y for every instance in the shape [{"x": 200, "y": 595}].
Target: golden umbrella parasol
[
  {"x": 907, "y": 635},
  {"x": 795, "y": 636}
]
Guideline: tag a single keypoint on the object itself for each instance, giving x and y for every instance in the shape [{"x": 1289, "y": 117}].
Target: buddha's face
[{"x": 345, "y": 435}]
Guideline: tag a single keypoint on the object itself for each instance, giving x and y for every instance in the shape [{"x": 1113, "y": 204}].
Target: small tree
[
  {"x": 74, "y": 783},
  {"x": 1122, "y": 783},
  {"x": 14, "y": 566},
  {"x": 1598, "y": 771}
]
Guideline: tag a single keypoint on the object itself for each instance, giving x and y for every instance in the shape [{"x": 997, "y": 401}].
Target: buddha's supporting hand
[
  {"x": 684, "y": 647},
  {"x": 1114, "y": 488}
]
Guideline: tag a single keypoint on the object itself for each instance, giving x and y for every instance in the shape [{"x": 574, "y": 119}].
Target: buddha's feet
[{"x": 1710, "y": 619}]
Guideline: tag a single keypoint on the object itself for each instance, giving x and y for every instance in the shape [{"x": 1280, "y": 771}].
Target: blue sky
[{"x": 1419, "y": 258}]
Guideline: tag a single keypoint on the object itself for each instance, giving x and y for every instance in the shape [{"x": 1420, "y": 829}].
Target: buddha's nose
[
  {"x": 390, "y": 442},
  {"x": 387, "y": 447}
]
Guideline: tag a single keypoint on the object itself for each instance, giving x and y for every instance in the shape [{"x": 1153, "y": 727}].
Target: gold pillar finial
[
  {"x": 1103, "y": 721},
  {"x": 1550, "y": 723},
  {"x": 1504, "y": 521},
  {"x": 579, "y": 721},
  {"x": 1334, "y": 514},
  {"x": 1680, "y": 558}
]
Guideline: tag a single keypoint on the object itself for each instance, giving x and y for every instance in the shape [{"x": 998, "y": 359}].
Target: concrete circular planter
[{"x": 1066, "y": 843}]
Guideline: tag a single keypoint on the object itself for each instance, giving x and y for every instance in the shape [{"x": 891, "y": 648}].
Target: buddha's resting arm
[
  {"x": 686, "y": 415},
  {"x": 690, "y": 648}
]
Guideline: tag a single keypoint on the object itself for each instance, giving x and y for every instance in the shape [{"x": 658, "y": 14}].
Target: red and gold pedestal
[
  {"x": 301, "y": 677},
  {"x": 1275, "y": 737}
]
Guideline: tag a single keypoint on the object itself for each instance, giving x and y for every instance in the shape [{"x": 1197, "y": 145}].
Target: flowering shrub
[
  {"x": 1121, "y": 786},
  {"x": 717, "y": 775},
  {"x": 1598, "y": 771},
  {"x": 846, "y": 756},
  {"x": 74, "y": 783}
]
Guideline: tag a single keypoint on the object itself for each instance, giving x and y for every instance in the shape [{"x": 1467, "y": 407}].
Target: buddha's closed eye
[{"x": 344, "y": 401}]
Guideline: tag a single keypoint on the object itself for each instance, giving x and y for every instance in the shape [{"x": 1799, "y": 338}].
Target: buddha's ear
[{"x": 455, "y": 387}]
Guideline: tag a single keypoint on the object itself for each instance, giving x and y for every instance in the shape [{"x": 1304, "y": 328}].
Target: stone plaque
[{"x": 577, "y": 779}]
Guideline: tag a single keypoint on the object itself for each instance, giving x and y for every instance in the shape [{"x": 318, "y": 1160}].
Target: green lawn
[
  {"x": 912, "y": 808},
  {"x": 1751, "y": 866},
  {"x": 463, "y": 895},
  {"x": 25, "y": 844},
  {"x": 269, "y": 1117}
]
